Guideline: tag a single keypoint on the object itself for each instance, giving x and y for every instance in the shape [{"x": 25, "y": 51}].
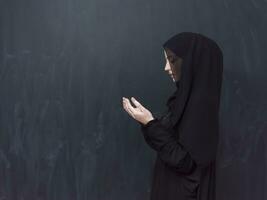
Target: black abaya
[
  {"x": 185, "y": 139},
  {"x": 176, "y": 175}
]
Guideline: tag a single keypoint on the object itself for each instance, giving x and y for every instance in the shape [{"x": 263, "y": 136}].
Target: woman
[{"x": 186, "y": 137}]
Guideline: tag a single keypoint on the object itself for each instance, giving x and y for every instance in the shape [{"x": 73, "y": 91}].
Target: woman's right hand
[{"x": 140, "y": 113}]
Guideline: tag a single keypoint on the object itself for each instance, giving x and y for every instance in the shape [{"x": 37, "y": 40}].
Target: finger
[
  {"x": 130, "y": 108},
  {"x": 137, "y": 103},
  {"x": 125, "y": 106}
]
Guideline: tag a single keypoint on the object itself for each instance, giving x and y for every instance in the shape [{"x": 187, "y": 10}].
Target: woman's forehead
[{"x": 168, "y": 52}]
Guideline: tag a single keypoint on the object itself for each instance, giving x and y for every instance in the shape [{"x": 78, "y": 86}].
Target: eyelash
[{"x": 173, "y": 61}]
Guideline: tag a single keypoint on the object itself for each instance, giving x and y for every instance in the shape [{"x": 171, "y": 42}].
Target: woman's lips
[{"x": 171, "y": 75}]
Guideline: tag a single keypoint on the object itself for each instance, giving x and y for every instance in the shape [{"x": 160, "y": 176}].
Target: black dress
[{"x": 176, "y": 176}]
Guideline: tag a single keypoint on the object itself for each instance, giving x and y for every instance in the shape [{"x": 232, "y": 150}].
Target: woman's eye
[{"x": 172, "y": 60}]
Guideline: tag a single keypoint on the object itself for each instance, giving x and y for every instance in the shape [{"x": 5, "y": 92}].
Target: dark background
[{"x": 64, "y": 67}]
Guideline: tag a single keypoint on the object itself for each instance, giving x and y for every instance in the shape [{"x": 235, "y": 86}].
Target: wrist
[{"x": 149, "y": 121}]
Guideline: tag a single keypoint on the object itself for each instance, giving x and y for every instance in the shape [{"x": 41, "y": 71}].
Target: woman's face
[{"x": 173, "y": 65}]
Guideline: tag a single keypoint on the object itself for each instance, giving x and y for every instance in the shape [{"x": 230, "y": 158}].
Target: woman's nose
[{"x": 167, "y": 68}]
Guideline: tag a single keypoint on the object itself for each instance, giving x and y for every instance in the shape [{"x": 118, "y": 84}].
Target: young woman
[{"x": 185, "y": 138}]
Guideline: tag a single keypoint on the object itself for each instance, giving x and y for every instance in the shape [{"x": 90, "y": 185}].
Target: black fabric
[
  {"x": 171, "y": 99},
  {"x": 196, "y": 107},
  {"x": 185, "y": 137},
  {"x": 175, "y": 175}
]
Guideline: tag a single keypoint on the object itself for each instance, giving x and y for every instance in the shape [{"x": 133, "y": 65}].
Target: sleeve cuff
[{"x": 148, "y": 124}]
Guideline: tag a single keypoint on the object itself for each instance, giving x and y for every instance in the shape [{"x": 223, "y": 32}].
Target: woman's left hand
[{"x": 140, "y": 113}]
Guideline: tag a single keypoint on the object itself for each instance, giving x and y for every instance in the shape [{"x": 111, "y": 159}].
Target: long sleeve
[{"x": 169, "y": 150}]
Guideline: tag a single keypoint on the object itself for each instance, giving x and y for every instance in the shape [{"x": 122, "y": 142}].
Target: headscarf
[{"x": 194, "y": 106}]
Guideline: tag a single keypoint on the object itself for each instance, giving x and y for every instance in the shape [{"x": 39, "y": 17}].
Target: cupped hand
[{"x": 140, "y": 113}]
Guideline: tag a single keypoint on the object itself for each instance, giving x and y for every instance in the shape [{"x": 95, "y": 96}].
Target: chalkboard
[{"x": 64, "y": 68}]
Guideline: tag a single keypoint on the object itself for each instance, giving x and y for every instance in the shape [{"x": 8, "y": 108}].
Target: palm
[{"x": 139, "y": 113}]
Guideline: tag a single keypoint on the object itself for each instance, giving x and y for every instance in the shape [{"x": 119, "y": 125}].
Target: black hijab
[{"x": 194, "y": 106}]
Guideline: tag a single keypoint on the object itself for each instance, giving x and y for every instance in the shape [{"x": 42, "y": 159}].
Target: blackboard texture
[{"x": 65, "y": 66}]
